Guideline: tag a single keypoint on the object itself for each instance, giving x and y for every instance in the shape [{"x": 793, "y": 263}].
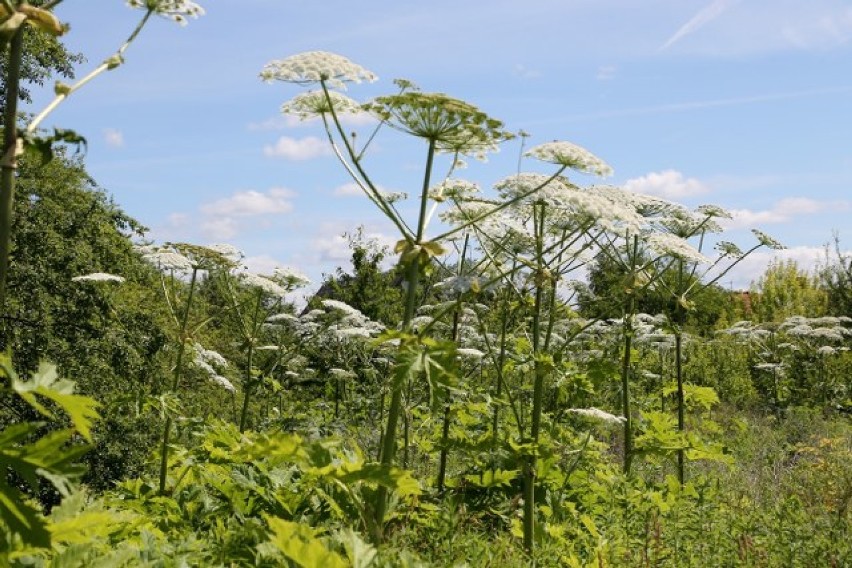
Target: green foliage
[
  {"x": 33, "y": 456},
  {"x": 369, "y": 288},
  {"x": 785, "y": 290}
]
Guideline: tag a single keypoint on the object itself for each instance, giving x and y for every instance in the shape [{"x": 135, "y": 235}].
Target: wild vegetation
[{"x": 548, "y": 375}]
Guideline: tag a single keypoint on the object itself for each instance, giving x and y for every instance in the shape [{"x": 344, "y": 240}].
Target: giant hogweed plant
[
  {"x": 690, "y": 280},
  {"x": 447, "y": 126}
]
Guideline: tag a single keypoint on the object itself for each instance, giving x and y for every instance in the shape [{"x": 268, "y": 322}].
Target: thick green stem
[
  {"x": 9, "y": 159},
  {"x": 248, "y": 387},
  {"x": 680, "y": 401},
  {"x": 530, "y": 462},
  {"x": 625, "y": 364},
  {"x": 679, "y": 321},
  {"x": 394, "y": 410},
  {"x": 164, "y": 449},
  {"x": 454, "y": 335}
]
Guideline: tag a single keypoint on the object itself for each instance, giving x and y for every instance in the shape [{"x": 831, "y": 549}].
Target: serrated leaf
[
  {"x": 300, "y": 544},
  {"x": 22, "y": 518},
  {"x": 47, "y": 384}
]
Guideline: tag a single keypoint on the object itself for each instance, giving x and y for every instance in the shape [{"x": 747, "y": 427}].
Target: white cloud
[
  {"x": 225, "y": 218},
  {"x": 349, "y": 189},
  {"x": 753, "y": 267},
  {"x": 275, "y": 123},
  {"x": 783, "y": 211},
  {"x": 704, "y": 16},
  {"x": 247, "y": 203},
  {"x": 283, "y": 122},
  {"x": 297, "y": 148},
  {"x": 525, "y": 72},
  {"x": 606, "y": 72},
  {"x": 220, "y": 228},
  {"x": 669, "y": 184},
  {"x": 113, "y": 138},
  {"x": 332, "y": 246}
]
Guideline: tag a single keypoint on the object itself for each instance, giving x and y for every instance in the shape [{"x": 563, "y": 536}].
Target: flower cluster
[
  {"x": 98, "y": 277},
  {"x": 315, "y": 103},
  {"x": 263, "y": 283},
  {"x": 571, "y": 156},
  {"x": 454, "y": 125},
  {"x": 597, "y": 414},
  {"x": 313, "y": 67},
  {"x": 211, "y": 362},
  {"x": 177, "y": 10}
]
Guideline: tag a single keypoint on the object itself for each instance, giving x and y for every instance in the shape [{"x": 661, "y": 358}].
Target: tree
[
  {"x": 106, "y": 337},
  {"x": 786, "y": 290},
  {"x": 835, "y": 277},
  {"x": 369, "y": 288}
]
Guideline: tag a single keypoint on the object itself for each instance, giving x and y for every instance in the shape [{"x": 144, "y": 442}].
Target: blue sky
[{"x": 742, "y": 103}]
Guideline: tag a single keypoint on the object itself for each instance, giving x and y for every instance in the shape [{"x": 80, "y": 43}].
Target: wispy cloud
[
  {"x": 297, "y": 148},
  {"x": 226, "y": 218},
  {"x": 700, "y": 105},
  {"x": 248, "y": 203},
  {"x": 669, "y": 184},
  {"x": 704, "y": 16},
  {"x": 525, "y": 72},
  {"x": 113, "y": 138},
  {"x": 783, "y": 211},
  {"x": 606, "y": 72},
  {"x": 284, "y": 122}
]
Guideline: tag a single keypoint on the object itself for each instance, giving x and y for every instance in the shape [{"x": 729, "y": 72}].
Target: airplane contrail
[{"x": 699, "y": 20}]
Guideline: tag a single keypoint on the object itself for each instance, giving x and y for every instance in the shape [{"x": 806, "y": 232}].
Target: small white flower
[
  {"x": 315, "y": 66},
  {"x": 341, "y": 373},
  {"x": 471, "y": 354},
  {"x": 453, "y": 189},
  {"x": 598, "y": 414},
  {"x": 667, "y": 243},
  {"x": 766, "y": 240},
  {"x": 177, "y": 10},
  {"x": 341, "y": 307},
  {"x": 169, "y": 260},
  {"x": 290, "y": 276},
  {"x": 314, "y": 103},
  {"x": 223, "y": 382},
  {"x": 282, "y": 318},
  {"x": 230, "y": 252},
  {"x": 571, "y": 155},
  {"x": 263, "y": 283},
  {"x": 98, "y": 277}
]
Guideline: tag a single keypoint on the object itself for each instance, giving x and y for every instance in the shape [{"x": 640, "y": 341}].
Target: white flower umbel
[
  {"x": 342, "y": 307},
  {"x": 177, "y": 10},
  {"x": 598, "y": 414},
  {"x": 230, "y": 252},
  {"x": 458, "y": 189},
  {"x": 223, "y": 382},
  {"x": 766, "y": 240},
  {"x": 263, "y": 283},
  {"x": 291, "y": 277},
  {"x": 279, "y": 318},
  {"x": 169, "y": 260},
  {"x": 312, "y": 67},
  {"x": 572, "y": 156},
  {"x": 314, "y": 103},
  {"x": 470, "y": 354},
  {"x": 209, "y": 356},
  {"x": 98, "y": 277},
  {"x": 342, "y": 374},
  {"x": 668, "y": 244}
]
